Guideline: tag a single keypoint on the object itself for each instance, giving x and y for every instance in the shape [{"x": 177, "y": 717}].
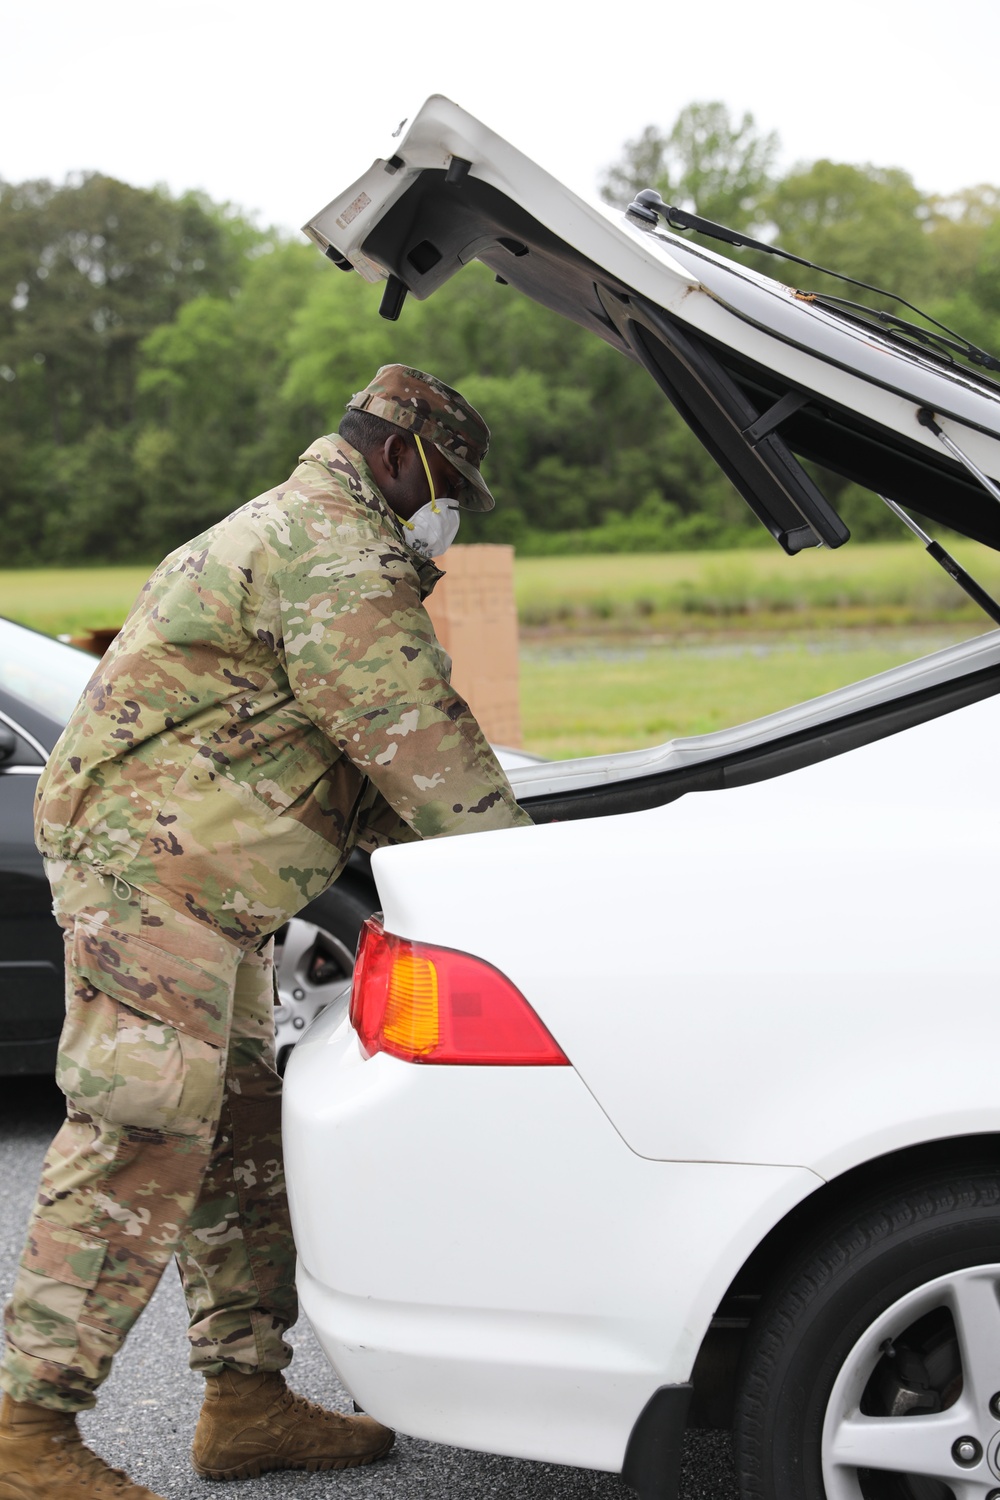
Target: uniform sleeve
[
  {"x": 365, "y": 664},
  {"x": 379, "y": 824}
]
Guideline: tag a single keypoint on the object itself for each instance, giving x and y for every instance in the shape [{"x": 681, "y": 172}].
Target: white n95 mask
[{"x": 432, "y": 529}]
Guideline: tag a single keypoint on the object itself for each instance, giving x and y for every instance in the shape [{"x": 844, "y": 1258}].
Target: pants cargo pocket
[
  {"x": 59, "y": 1269},
  {"x": 145, "y": 1033}
]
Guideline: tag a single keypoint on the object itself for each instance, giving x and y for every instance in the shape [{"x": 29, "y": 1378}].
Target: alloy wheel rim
[
  {"x": 954, "y": 1450},
  {"x": 302, "y": 952}
]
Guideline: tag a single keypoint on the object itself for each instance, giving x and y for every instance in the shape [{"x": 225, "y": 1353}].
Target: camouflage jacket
[{"x": 276, "y": 696}]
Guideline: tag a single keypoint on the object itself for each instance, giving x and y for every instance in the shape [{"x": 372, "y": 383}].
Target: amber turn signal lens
[
  {"x": 411, "y": 1007},
  {"x": 427, "y": 1004}
]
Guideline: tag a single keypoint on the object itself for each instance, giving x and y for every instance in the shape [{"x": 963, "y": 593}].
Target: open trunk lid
[{"x": 763, "y": 375}]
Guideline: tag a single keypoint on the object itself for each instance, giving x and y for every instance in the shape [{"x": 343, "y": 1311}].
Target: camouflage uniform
[{"x": 276, "y": 698}]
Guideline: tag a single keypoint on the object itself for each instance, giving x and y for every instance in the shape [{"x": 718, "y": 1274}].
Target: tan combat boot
[
  {"x": 43, "y": 1457},
  {"x": 250, "y": 1424}
]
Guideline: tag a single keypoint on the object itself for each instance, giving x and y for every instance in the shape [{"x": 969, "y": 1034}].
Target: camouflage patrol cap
[{"x": 423, "y": 404}]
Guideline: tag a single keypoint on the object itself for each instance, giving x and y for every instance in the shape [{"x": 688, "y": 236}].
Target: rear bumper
[
  {"x": 487, "y": 1264},
  {"x": 480, "y": 1378}
]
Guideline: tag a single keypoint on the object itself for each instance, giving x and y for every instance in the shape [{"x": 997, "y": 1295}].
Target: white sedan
[{"x": 583, "y": 1160}]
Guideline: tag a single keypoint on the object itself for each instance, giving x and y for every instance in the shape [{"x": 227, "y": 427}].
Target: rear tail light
[{"x": 435, "y": 1005}]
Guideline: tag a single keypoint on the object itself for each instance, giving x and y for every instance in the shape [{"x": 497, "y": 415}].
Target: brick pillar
[{"x": 475, "y": 618}]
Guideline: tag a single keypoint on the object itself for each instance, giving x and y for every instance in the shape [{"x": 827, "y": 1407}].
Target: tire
[
  {"x": 879, "y": 1354},
  {"x": 314, "y": 959}
]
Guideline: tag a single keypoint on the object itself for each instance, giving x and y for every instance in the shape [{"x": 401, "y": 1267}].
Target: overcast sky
[{"x": 278, "y": 106}]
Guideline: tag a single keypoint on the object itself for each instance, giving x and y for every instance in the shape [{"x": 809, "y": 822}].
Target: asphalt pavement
[{"x": 149, "y": 1406}]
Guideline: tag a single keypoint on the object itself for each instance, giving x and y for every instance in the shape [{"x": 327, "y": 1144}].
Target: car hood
[{"x": 762, "y": 374}]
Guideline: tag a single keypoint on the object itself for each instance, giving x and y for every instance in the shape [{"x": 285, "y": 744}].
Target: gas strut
[
  {"x": 927, "y": 419},
  {"x": 954, "y": 570}
]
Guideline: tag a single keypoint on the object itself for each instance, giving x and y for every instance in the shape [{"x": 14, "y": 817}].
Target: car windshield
[{"x": 45, "y": 674}]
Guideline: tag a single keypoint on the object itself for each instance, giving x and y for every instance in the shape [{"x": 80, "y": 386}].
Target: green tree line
[{"x": 163, "y": 359}]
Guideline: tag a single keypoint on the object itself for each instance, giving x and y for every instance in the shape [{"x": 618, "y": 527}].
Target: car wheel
[
  {"x": 314, "y": 960},
  {"x": 874, "y": 1374}
]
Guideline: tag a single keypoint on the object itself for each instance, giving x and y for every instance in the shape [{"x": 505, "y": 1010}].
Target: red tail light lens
[{"x": 435, "y": 1005}]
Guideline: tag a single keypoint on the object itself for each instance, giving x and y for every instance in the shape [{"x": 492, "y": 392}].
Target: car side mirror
[{"x": 8, "y": 742}]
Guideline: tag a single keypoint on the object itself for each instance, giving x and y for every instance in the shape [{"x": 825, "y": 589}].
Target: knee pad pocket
[
  {"x": 59, "y": 1269},
  {"x": 144, "y": 1039}
]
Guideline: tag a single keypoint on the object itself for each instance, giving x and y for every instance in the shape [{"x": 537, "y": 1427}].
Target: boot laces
[{"x": 301, "y": 1406}]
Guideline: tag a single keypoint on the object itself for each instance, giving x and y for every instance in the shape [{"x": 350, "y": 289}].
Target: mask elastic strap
[{"x": 427, "y": 470}]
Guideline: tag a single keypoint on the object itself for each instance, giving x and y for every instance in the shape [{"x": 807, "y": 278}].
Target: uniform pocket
[
  {"x": 156, "y": 981},
  {"x": 145, "y": 1033},
  {"x": 59, "y": 1268}
]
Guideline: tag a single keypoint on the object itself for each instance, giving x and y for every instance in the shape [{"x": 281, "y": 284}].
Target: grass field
[
  {"x": 595, "y": 697},
  {"x": 64, "y": 601},
  {"x": 866, "y": 586},
  {"x": 858, "y": 585},
  {"x": 874, "y": 585},
  {"x": 620, "y": 652}
]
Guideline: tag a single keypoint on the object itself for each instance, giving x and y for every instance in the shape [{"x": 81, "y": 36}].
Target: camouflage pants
[{"x": 171, "y": 1147}]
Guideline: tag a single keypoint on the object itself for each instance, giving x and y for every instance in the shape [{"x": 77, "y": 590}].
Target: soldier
[{"x": 275, "y": 699}]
